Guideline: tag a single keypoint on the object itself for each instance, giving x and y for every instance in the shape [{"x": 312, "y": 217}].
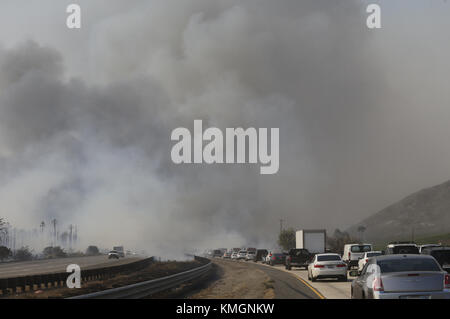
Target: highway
[{"x": 39, "y": 267}]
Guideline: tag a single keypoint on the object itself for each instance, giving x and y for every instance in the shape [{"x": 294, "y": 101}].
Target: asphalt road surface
[{"x": 38, "y": 267}]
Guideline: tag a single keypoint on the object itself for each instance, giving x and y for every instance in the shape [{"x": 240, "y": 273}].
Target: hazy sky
[{"x": 86, "y": 115}]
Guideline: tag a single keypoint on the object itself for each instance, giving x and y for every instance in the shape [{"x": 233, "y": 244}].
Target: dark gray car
[{"x": 401, "y": 277}]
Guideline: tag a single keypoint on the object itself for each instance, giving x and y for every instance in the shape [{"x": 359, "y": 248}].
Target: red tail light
[
  {"x": 377, "y": 284},
  {"x": 447, "y": 282},
  {"x": 349, "y": 255},
  {"x": 341, "y": 265},
  {"x": 319, "y": 266},
  {"x": 367, "y": 259},
  {"x": 274, "y": 258}
]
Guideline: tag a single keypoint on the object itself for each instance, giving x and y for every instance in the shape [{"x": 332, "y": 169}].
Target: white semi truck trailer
[{"x": 312, "y": 239}]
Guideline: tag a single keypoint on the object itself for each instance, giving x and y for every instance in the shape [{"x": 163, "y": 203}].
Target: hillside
[{"x": 423, "y": 213}]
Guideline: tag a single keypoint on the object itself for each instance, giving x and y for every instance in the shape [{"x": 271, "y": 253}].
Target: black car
[
  {"x": 441, "y": 254},
  {"x": 260, "y": 255},
  {"x": 298, "y": 258},
  {"x": 402, "y": 248}
]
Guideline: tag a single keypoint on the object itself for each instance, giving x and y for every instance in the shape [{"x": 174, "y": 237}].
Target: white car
[
  {"x": 366, "y": 257},
  {"x": 327, "y": 266},
  {"x": 242, "y": 254},
  {"x": 234, "y": 255},
  {"x": 113, "y": 254},
  {"x": 251, "y": 255}
]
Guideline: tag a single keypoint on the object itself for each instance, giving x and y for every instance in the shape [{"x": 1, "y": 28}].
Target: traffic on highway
[{"x": 403, "y": 270}]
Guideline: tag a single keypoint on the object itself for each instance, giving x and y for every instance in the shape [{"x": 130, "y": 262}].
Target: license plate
[
  {"x": 330, "y": 266},
  {"x": 415, "y": 297}
]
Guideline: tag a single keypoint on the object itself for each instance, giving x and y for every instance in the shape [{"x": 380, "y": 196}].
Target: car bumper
[
  {"x": 297, "y": 264},
  {"x": 329, "y": 273},
  {"x": 445, "y": 294}
]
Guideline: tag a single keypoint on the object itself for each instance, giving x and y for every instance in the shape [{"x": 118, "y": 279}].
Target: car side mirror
[{"x": 354, "y": 273}]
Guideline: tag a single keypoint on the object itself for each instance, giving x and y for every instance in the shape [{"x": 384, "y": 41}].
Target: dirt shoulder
[{"x": 237, "y": 281}]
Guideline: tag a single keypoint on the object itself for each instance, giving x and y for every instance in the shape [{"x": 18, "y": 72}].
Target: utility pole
[
  {"x": 54, "y": 232},
  {"x": 281, "y": 225},
  {"x": 70, "y": 236}
]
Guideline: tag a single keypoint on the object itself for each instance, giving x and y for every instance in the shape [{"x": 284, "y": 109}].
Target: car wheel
[
  {"x": 271, "y": 263},
  {"x": 313, "y": 279},
  {"x": 344, "y": 278},
  {"x": 309, "y": 277}
]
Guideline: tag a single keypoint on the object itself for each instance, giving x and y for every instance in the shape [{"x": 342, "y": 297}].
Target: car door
[{"x": 359, "y": 283}]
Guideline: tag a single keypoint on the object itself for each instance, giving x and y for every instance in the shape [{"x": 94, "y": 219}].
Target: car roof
[
  {"x": 436, "y": 248},
  {"x": 328, "y": 254},
  {"x": 401, "y": 256},
  {"x": 374, "y": 251},
  {"x": 360, "y": 244},
  {"x": 402, "y": 244}
]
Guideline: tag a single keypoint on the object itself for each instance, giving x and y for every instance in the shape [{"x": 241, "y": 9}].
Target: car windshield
[
  {"x": 328, "y": 258},
  {"x": 406, "y": 250},
  {"x": 405, "y": 264},
  {"x": 373, "y": 254},
  {"x": 442, "y": 256},
  {"x": 361, "y": 248}
]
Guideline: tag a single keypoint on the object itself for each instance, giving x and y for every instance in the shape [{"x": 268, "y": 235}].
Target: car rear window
[
  {"x": 405, "y": 264},
  {"x": 442, "y": 256},
  {"x": 328, "y": 258},
  {"x": 405, "y": 250},
  {"x": 278, "y": 255},
  {"x": 360, "y": 248}
]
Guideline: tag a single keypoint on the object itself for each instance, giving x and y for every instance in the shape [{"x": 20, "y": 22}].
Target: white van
[{"x": 354, "y": 252}]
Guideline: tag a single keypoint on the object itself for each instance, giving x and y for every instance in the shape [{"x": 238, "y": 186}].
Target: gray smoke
[{"x": 86, "y": 116}]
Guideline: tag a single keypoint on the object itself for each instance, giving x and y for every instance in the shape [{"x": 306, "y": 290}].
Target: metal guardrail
[{"x": 147, "y": 288}]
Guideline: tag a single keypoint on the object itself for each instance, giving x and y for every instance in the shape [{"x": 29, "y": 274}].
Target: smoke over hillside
[{"x": 86, "y": 116}]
